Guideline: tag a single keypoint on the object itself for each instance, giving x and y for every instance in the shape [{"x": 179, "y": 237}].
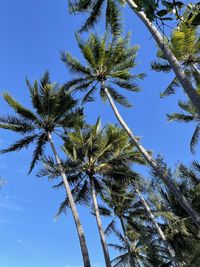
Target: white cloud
[
  {"x": 24, "y": 242},
  {"x": 11, "y": 205}
]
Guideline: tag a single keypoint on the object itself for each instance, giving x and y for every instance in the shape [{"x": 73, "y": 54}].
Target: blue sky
[{"x": 32, "y": 35}]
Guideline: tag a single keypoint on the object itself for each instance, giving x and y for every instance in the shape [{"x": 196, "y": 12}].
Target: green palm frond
[
  {"x": 95, "y": 14},
  {"x": 113, "y": 17},
  {"x": 18, "y": 108},
  {"x": 160, "y": 66},
  {"x": 22, "y": 143},
  {"x": 195, "y": 139},
  {"x": 180, "y": 117},
  {"x": 119, "y": 98},
  {"x": 171, "y": 88},
  {"x": 73, "y": 65},
  {"x": 95, "y": 9},
  {"x": 110, "y": 228},
  {"x": 39, "y": 150}
]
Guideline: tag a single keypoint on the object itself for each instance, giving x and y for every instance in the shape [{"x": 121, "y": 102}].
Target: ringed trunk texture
[
  {"x": 99, "y": 224},
  {"x": 152, "y": 163},
  {"x": 79, "y": 227},
  {"x": 175, "y": 65},
  {"x": 159, "y": 230}
]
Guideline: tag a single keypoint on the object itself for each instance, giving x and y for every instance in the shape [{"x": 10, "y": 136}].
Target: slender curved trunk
[
  {"x": 175, "y": 65},
  {"x": 79, "y": 227},
  {"x": 99, "y": 224},
  {"x": 152, "y": 163},
  {"x": 158, "y": 229},
  {"x": 132, "y": 261}
]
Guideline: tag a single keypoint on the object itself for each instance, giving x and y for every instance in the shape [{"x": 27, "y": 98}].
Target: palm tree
[
  {"x": 111, "y": 63},
  {"x": 93, "y": 151},
  {"x": 121, "y": 201},
  {"x": 95, "y": 9},
  {"x": 137, "y": 232},
  {"x": 53, "y": 110}
]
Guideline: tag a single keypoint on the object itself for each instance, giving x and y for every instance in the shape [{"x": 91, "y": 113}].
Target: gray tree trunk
[
  {"x": 170, "y": 184},
  {"x": 99, "y": 224},
  {"x": 79, "y": 227},
  {"x": 158, "y": 229},
  {"x": 175, "y": 65}
]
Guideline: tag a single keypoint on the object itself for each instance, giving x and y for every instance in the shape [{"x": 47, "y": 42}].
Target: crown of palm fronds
[
  {"x": 107, "y": 64},
  {"x": 96, "y": 153},
  {"x": 52, "y": 109},
  {"x": 185, "y": 45}
]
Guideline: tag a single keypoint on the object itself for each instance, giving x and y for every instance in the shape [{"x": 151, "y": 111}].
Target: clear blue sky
[{"x": 32, "y": 34}]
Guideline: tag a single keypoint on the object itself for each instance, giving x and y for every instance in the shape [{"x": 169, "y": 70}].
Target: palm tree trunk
[
  {"x": 79, "y": 227},
  {"x": 132, "y": 262},
  {"x": 152, "y": 163},
  {"x": 175, "y": 65},
  {"x": 158, "y": 229},
  {"x": 99, "y": 224}
]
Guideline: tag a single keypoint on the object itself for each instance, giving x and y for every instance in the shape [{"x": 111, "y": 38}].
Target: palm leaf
[
  {"x": 195, "y": 139},
  {"x": 22, "y": 143},
  {"x": 19, "y": 109},
  {"x": 94, "y": 16},
  {"x": 42, "y": 139}
]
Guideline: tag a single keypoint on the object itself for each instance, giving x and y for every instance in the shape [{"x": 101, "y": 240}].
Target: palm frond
[
  {"x": 113, "y": 17},
  {"x": 42, "y": 139},
  {"x": 195, "y": 139},
  {"x": 22, "y": 143},
  {"x": 94, "y": 16},
  {"x": 122, "y": 100},
  {"x": 180, "y": 117},
  {"x": 19, "y": 109},
  {"x": 171, "y": 88},
  {"x": 74, "y": 66}
]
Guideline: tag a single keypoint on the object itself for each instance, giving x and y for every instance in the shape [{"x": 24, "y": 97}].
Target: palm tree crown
[
  {"x": 185, "y": 46},
  {"x": 107, "y": 64},
  {"x": 52, "y": 110}
]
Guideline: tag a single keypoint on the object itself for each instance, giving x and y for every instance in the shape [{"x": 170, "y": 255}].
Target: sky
[{"x": 32, "y": 35}]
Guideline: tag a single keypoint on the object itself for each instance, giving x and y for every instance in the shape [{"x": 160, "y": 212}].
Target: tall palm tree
[
  {"x": 137, "y": 232},
  {"x": 53, "y": 110},
  {"x": 95, "y": 9},
  {"x": 107, "y": 64},
  {"x": 121, "y": 201},
  {"x": 94, "y": 151}
]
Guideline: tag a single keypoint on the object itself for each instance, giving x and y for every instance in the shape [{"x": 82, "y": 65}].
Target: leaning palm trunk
[
  {"x": 131, "y": 260},
  {"x": 170, "y": 184},
  {"x": 99, "y": 224},
  {"x": 175, "y": 65},
  {"x": 159, "y": 230},
  {"x": 79, "y": 227}
]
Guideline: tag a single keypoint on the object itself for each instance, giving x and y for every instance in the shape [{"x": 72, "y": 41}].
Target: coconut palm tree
[
  {"x": 53, "y": 110},
  {"x": 142, "y": 9},
  {"x": 93, "y": 151},
  {"x": 109, "y": 63},
  {"x": 125, "y": 204},
  {"x": 137, "y": 232}
]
